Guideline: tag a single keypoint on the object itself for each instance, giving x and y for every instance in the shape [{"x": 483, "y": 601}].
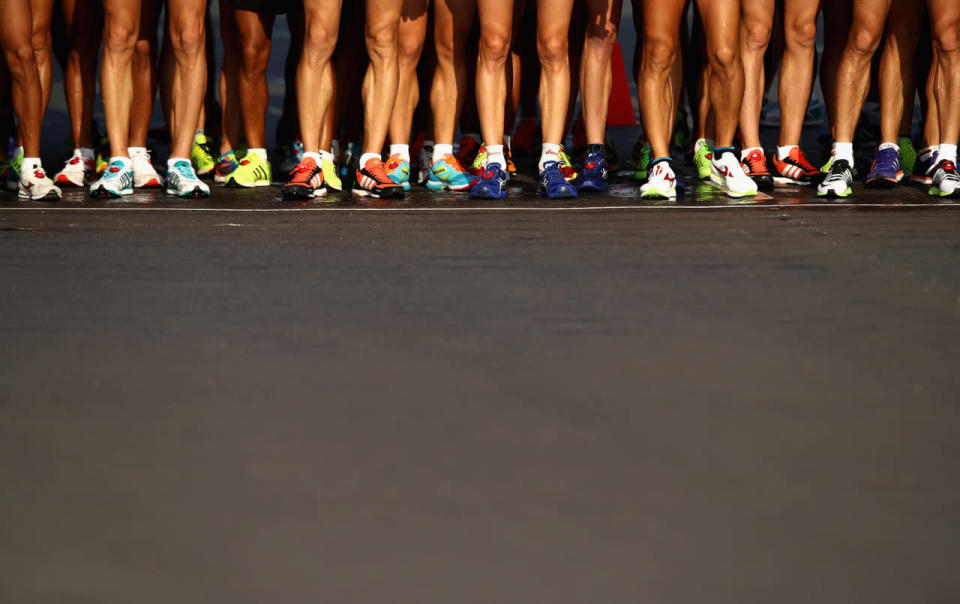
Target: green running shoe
[
  {"x": 908, "y": 155},
  {"x": 641, "y": 159},
  {"x": 702, "y": 158},
  {"x": 252, "y": 172},
  {"x": 202, "y": 156},
  {"x": 13, "y": 170}
]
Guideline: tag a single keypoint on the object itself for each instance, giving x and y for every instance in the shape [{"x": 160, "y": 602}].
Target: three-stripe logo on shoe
[
  {"x": 791, "y": 171},
  {"x": 260, "y": 173}
]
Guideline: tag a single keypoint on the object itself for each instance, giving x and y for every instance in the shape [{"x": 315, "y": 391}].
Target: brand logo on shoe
[
  {"x": 114, "y": 169},
  {"x": 39, "y": 174},
  {"x": 949, "y": 166}
]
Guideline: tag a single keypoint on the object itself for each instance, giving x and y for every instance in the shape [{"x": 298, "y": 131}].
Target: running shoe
[
  {"x": 726, "y": 172},
  {"x": 908, "y": 155},
  {"x": 794, "y": 169},
  {"x": 117, "y": 181},
  {"x": 183, "y": 182},
  {"x": 145, "y": 176},
  {"x": 78, "y": 170},
  {"x": 292, "y": 156},
  {"x": 398, "y": 169},
  {"x": 372, "y": 181},
  {"x": 755, "y": 166},
  {"x": 448, "y": 175},
  {"x": 566, "y": 165},
  {"x": 35, "y": 186},
  {"x": 253, "y": 171},
  {"x": 468, "y": 151},
  {"x": 923, "y": 169},
  {"x": 594, "y": 174},
  {"x": 330, "y": 177},
  {"x": 553, "y": 185},
  {"x": 839, "y": 181},
  {"x": 511, "y": 167},
  {"x": 641, "y": 159},
  {"x": 662, "y": 183},
  {"x": 886, "y": 170},
  {"x": 103, "y": 155},
  {"x": 828, "y": 165},
  {"x": 946, "y": 182},
  {"x": 225, "y": 166},
  {"x": 306, "y": 181},
  {"x": 202, "y": 156},
  {"x": 492, "y": 184},
  {"x": 525, "y": 136},
  {"x": 426, "y": 162},
  {"x": 702, "y": 158},
  {"x": 13, "y": 171}
]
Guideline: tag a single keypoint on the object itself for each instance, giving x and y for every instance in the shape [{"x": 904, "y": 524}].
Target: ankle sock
[
  {"x": 745, "y": 152},
  {"x": 784, "y": 151},
  {"x": 260, "y": 152},
  {"x": 495, "y": 155},
  {"x": 946, "y": 151},
  {"x": 367, "y": 157},
  {"x": 843, "y": 151},
  {"x": 441, "y": 150},
  {"x": 550, "y": 152},
  {"x": 402, "y": 150}
]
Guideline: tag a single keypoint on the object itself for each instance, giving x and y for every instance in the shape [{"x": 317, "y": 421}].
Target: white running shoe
[
  {"x": 182, "y": 181},
  {"x": 727, "y": 172},
  {"x": 78, "y": 170},
  {"x": 661, "y": 182},
  {"x": 426, "y": 162},
  {"x": 946, "y": 181},
  {"x": 145, "y": 176},
  {"x": 35, "y": 186},
  {"x": 117, "y": 180}
]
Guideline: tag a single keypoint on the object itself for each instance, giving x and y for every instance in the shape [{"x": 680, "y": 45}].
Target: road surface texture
[{"x": 527, "y": 402}]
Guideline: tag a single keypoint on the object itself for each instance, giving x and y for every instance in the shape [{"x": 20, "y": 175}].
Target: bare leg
[
  {"x": 84, "y": 26},
  {"x": 412, "y": 34},
  {"x": 723, "y": 53},
  {"x": 796, "y": 72},
  {"x": 603, "y": 19},
  {"x": 381, "y": 81},
  {"x": 553, "y": 23},
  {"x": 755, "y": 29},
  {"x": 232, "y": 117},
  {"x": 121, "y": 26},
  {"x": 187, "y": 35},
  {"x": 452, "y": 19},
  {"x": 254, "y": 36},
  {"x": 144, "y": 74},
  {"x": 315, "y": 81},
  {"x": 661, "y": 24},
  {"x": 896, "y": 66},
  {"x": 945, "y": 26},
  {"x": 42, "y": 42},
  {"x": 15, "y": 30},
  {"x": 496, "y": 28}
]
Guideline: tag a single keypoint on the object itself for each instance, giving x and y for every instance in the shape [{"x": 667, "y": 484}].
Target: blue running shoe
[
  {"x": 593, "y": 177},
  {"x": 492, "y": 184},
  {"x": 398, "y": 169},
  {"x": 924, "y": 168},
  {"x": 448, "y": 175},
  {"x": 553, "y": 185},
  {"x": 886, "y": 170}
]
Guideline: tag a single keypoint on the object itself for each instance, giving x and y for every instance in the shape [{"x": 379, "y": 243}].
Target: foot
[
  {"x": 727, "y": 172},
  {"x": 662, "y": 183},
  {"x": 78, "y": 170},
  {"x": 886, "y": 170},
  {"x": 553, "y": 185},
  {"x": 306, "y": 181},
  {"x": 202, "y": 156},
  {"x": 492, "y": 184},
  {"x": 448, "y": 175},
  {"x": 183, "y": 182},
  {"x": 398, "y": 169},
  {"x": 117, "y": 181},
  {"x": 35, "y": 186},
  {"x": 330, "y": 177},
  {"x": 924, "y": 168},
  {"x": 945, "y": 182},
  {"x": 838, "y": 182},
  {"x": 594, "y": 175},
  {"x": 226, "y": 164},
  {"x": 755, "y": 167},
  {"x": 702, "y": 157},
  {"x": 145, "y": 176},
  {"x": 372, "y": 181},
  {"x": 794, "y": 169}
]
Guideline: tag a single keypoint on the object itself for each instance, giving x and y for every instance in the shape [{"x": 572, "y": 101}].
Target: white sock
[
  {"x": 327, "y": 155},
  {"x": 259, "y": 152},
  {"x": 174, "y": 160},
  {"x": 367, "y": 157},
  {"x": 784, "y": 151},
  {"x": 317, "y": 157},
  {"x": 136, "y": 150},
  {"x": 745, "y": 152},
  {"x": 843, "y": 151},
  {"x": 946, "y": 151},
  {"x": 495, "y": 156},
  {"x": 29, "y": 165},
  {"x": 441, "y": 150},
  {"x": 550, "y": 152},
  {"x": 402, "y": 150},
  {"x": 889, "y": 146},
  {"x": 925, "y": 153}
]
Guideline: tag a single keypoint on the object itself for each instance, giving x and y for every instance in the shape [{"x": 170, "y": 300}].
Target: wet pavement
[{"x": 442, "y": 401}]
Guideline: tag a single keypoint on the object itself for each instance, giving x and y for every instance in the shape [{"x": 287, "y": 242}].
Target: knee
[
  {"x": 142, "y": 49},
  {"x": 600, "y": 40},
  {"x": 41, "y": 38},
  {"x": 189, "y": 38},
  {"x": 382, "y": 40},
  {"x": 20, "y": 58},
  {"x": 801, "y": 34},
  {"x": 254, "y": 56},
  {"x": 659, "y": 54},
  {"x": 494, "y": 47},
  {"x": 947, "y": 40},
  {"x": 410, "y": 47},
  {"x": 724, "y": 58},
  {"x": 552, "y": 49},
  {"x": 863, "y": 40},
  {"x": 758, "y": 35},
  {"x": 320, "y": 40},
  {"x": 119, "y": 38}
]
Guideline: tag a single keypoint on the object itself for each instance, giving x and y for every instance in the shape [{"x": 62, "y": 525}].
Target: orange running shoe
[
  {"x": 755, "y": 166},
  {"x": 511, "y": 167},
  {"x": 372, "y": 181},
  {"x": 794, "y": 169},
  {"x": 306, "y": 181}
]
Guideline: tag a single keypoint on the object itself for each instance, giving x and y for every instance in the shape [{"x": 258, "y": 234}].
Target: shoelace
[
  {"x": 207, "y": 147},
  {"x": 756, "y": 163},
  {"x": 801, "y": 161},
  {"x": 553, "y": 175},
  {"x": 379, "y": 174},
  {"x": 302, "y": 173}
]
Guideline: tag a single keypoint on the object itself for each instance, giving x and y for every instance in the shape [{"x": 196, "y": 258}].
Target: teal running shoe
[
  {"x": 448, "y": 175},
  {"x": 398, "y": 169},
  {"x": 117, "y": 180}
]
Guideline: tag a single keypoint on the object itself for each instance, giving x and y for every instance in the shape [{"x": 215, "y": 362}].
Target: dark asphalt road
[{"x": 654, "y": 405}]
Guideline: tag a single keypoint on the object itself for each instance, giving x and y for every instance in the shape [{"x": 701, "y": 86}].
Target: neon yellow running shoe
[
  {"x": 201, "y": 154},
  {"x": 329, "y": 169},
  {"x": 252, "y": 172},
  {"x": 566, "y": 166},
  {"x": 702, "y": 156}
]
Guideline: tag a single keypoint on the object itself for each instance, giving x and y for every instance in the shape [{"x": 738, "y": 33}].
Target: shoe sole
[
  {"x": 434, "y": 185},
  {"x": 232, "y": 183},
  {"x": 63, "y": 181},
  {"x": 786, "y": 180},
  {"x": 298, "y": 193},
  {"x": 881, "y": 182},
  {"x": 102, "y": 193},
  {"x": 50, "y": 196},
  {"x": 196, "y": 193},
  {"x": 389, "y": 195}
]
